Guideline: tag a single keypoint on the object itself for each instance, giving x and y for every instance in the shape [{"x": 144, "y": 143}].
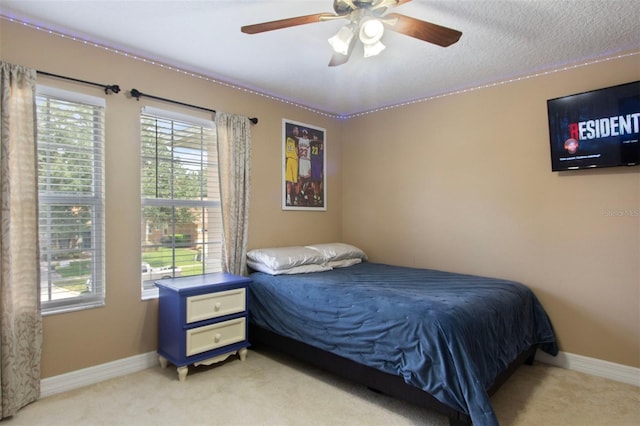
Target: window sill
[
  {"x": 66, "y": 309},
  {"x": 150, "y": 294}
]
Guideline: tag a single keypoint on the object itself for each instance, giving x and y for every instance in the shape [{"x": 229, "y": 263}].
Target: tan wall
[
  {"x": 127, "y": 325},
  {"x": 465, "y": 186},
  {"x": 464, "y": 183}
]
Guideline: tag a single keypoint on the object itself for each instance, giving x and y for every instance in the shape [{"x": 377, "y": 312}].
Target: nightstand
[{"x": 202, "y": 320}]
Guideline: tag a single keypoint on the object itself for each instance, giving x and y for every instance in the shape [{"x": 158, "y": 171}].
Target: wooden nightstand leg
[
  {"x": 182, "y": 373},
  {"x": 163, "y": 361},
  {"x": 243, "y": 354}
]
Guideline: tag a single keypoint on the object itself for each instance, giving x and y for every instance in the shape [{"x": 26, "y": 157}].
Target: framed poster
[{"x": 303, "y": 166}]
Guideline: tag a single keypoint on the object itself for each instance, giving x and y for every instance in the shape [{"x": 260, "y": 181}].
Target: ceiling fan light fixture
[
  {"x": 342, "y": 39},
  {"x": 373, "y": 49},
  {"x": 371, "y": 31}
]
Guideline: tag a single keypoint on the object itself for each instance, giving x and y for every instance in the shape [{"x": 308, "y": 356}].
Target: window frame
[
  {"x": 192, "y": 120},
  {"x": 95, "y": 296}
]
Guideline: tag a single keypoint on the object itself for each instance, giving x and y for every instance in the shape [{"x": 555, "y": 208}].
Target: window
[
  {"x": 71, "y": 199},
  {"x": 181, "y": 217}
]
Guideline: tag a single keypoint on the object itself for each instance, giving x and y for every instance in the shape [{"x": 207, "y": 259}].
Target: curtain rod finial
[
  {"x": 135, "y": 93},
  {"x": 114, "y": 88}
]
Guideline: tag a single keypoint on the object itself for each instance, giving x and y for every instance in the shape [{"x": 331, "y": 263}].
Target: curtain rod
[
  {"x": 114, "y": 88},
  {"x": 137, "y": 94}
]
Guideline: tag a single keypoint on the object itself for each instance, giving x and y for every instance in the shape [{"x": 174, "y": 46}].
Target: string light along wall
[{"x": 285, "y": 101}]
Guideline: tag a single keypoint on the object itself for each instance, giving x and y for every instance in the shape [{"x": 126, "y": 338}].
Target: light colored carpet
[{"x": 272, "y": 389}]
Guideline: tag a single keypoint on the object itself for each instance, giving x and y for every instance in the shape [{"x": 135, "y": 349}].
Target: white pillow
[
  {"x": 344, "y": 262},
  {"x": 279, "y": 258},
  {"x": 303, "y": 269},
  {"x": 338, "y": 251}
]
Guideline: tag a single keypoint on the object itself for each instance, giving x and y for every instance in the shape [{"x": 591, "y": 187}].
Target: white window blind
[
  {"x": 71, "y": 199},
  {"x": 181, "y": 216}
]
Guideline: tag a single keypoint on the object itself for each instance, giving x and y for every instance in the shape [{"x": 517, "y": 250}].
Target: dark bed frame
[{"x": 376, "y": 380}]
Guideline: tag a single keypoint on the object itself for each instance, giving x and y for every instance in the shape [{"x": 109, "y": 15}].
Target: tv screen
[{"x": 600, "y": 128}]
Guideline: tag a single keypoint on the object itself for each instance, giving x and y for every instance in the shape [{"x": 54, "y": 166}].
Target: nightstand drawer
[
  {"x": 216, "y": 335},
  {"x": 212, "y": 305}
]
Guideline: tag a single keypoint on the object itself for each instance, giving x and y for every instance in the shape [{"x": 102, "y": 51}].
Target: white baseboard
[
  {"x": 593, "y": 366},
  {"x": 91, "y": 375}
]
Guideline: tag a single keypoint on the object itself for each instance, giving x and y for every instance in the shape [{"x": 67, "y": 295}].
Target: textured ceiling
[{"x": 501, "y": 40}]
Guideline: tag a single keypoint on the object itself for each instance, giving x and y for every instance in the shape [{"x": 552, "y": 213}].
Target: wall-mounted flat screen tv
[{"x": 600, "y": 128}]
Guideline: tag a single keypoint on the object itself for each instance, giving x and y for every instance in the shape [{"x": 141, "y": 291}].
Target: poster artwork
[{"x": 304, "y": 164}]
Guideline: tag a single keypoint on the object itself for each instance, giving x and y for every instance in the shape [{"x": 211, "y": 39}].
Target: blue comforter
[{"x": 447, "y": 334}]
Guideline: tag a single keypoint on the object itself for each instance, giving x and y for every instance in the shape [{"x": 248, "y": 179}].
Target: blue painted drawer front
[{"x": 172, "y": 314}]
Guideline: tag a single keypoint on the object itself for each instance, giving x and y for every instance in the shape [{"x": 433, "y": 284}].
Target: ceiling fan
[{"x": 367, "y": 21}]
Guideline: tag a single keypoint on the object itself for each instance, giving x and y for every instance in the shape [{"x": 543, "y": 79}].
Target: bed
[{"x": 439, "y": 339}]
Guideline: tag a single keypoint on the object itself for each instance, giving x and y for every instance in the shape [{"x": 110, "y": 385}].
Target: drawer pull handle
[
  {"x": 217, "y": 306},
  {"x": 217, "y": 338}
]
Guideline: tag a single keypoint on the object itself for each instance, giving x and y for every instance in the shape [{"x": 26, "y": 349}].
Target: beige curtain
[
  {"x": 234, "y": 156},
  {"x": 20, "y": 320}
]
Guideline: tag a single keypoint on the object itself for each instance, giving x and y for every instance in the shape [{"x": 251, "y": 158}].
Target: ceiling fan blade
[
  {"x": 340, "y": 59},
  {"x": 427, "y": 31},
  {"x": 288, "y": 22}
]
